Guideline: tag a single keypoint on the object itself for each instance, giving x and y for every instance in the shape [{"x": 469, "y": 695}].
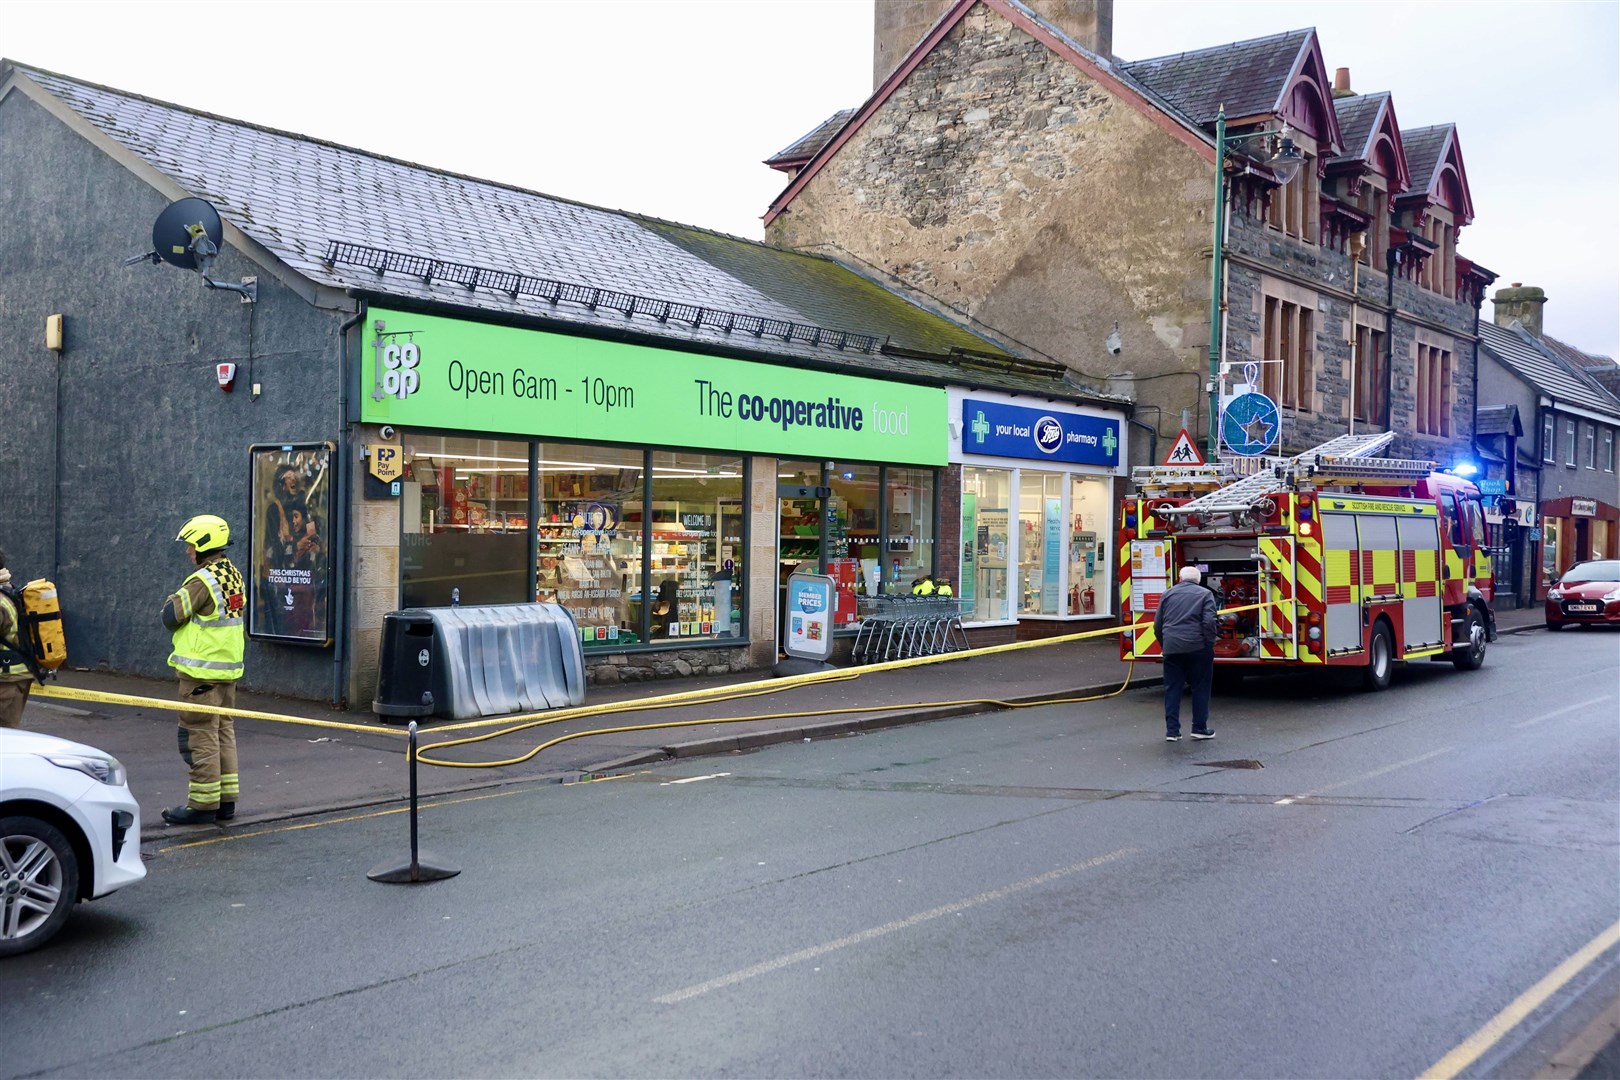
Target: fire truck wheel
[
  {"x": 1380, "y": 657},
  {"x": 1471, "y": 657}
]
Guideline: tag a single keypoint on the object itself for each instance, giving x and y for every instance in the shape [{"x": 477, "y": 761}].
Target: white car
[{"x": 69, "y": 831}]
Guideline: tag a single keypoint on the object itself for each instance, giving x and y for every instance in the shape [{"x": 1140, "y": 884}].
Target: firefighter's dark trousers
[
  {"x": 13, "y": 696},
  {"x": 208, "y": 744}
]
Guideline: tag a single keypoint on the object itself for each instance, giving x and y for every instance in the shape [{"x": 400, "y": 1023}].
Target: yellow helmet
[{"x": 205, "y": 532}]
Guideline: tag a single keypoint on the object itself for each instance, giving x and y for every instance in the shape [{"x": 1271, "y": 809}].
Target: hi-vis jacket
[{"x": 210, "y": 638}]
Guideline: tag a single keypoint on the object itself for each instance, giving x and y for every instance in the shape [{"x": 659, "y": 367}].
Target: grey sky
[{"x": 669, "y": 107}]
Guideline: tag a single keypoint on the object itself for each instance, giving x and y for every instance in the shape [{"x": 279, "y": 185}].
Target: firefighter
[
  {"x": 205, "y": 615},
  {"x": 15, "y": 678},
  {"x": 923, "y": 586}
]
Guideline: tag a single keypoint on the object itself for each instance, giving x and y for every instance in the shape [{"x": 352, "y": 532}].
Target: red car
[{"x": 1589, "y": 592}]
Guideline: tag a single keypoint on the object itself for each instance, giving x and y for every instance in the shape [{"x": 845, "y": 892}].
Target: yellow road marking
[
  {"x": 814, "y": 951},
  {"x": 1522, "y": 1006}
]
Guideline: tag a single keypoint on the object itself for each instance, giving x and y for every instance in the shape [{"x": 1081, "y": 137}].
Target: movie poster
[{"x": 290, "y": 574}]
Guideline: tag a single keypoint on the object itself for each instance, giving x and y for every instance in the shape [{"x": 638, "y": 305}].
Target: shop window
[
  {"x": 1549, "y": 550},
  {"x": 589, "y": 538},
  {"x": 986, "y": 542},
  {"x": 1088, "y": 547},
  {"x": 909, "y": 537},
  {"x": 465, "y": 520},
  {"x": 1040, "y": 543},
  {"x": 855, "y": 555},
  {"x": 694, "y": 560}
]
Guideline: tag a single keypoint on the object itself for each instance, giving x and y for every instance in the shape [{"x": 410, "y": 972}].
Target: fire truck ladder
[{"x": 1345, "y": 459}]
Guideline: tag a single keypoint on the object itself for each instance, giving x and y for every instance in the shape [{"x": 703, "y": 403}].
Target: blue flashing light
[
  {"x": 1130, "y": 521},
  {"x": 1464, "y": 469}
]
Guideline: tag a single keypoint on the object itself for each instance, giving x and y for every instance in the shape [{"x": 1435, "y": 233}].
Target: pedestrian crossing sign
[{"x": 1183, "y": 451}]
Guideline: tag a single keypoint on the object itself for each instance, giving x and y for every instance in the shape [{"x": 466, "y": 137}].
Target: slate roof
[
  {"x": 1358, "y": 117},
  {"x": 1423, "y": 147},
  {"x": 1248, "y": 77},
  {"x": 297, "y": 196},
  {"x": 1498, "y": 420},
  {"x": 1544, "y": 370},
  {"x": 808, "y": 146}
]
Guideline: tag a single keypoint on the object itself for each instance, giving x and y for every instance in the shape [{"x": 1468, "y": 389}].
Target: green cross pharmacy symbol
[
  {"x": 981, "y": 427},
  {"x": 1109, "y": 441}
]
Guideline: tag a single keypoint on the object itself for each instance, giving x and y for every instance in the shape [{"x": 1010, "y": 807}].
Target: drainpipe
[
  {"x": 1153, "y": 439},
  {"x": 340, "y": 525}
]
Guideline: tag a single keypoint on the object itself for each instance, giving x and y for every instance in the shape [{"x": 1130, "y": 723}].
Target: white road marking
[
  {"x": 1376, "y": 772},
  {"x": 695, "y": 779},
  {"x": 1565, "y": 709},
  {"x": 887, "y": 928}
]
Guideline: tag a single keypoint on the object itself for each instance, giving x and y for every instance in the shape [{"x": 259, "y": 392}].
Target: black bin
[{"x": 409, "y": 657}]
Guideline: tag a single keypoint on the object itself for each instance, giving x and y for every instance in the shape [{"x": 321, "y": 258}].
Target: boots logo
[
  {"x": 396, "y": 369},
  {"x": 1048, "y": 435}
]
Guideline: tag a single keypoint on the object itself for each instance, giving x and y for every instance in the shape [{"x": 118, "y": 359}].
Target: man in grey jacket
[{"x": 1185, "y": 627}]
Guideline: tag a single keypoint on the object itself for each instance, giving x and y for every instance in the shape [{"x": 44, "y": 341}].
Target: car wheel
[
  {"x": 1554, "y": 626},
  {"x": 1471, "y": 656},
  {"x": 39, "y": 883},
  {"x": 1380, "y": 658}
]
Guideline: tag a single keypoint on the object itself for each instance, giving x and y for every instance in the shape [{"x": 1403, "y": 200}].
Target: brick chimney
[
  {"x": 1341, "y": 83},
  {"x": 900, "y": 24},
  {"x": 1522, "y": 303}
]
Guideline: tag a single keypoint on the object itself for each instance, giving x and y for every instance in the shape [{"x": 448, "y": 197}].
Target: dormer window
[{"x": 1294, "y": 208}]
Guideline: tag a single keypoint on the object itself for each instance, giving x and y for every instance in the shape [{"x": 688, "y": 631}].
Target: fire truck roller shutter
[
  {"x": 1420, "y": 583},
  {"x": 1342, "y": 563}
]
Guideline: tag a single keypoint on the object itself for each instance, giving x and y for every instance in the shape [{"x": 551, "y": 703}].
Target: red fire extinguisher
[
  {"x": 1074, "y": 600},
  {"x": 1088, "y": 600}
]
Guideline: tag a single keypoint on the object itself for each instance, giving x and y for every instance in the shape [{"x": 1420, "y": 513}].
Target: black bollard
[{"x": 423, "y": 866}]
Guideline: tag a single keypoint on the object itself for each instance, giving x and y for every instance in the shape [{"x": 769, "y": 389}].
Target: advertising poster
[
  {"x": 288, "y": 568},
  {"x": 809, "y": 616}
]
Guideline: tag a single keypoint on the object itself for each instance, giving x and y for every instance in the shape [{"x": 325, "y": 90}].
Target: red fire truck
[{"x": 1354, "y": 560}]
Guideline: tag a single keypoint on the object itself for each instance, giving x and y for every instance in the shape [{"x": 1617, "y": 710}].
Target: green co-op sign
[{"x": 425, "y": 371}]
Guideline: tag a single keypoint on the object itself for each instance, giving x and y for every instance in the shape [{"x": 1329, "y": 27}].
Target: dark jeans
[{"x": 1183, "y": 670}]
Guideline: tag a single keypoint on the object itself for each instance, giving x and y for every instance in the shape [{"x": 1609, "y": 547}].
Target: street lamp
[{"x": 1285, "y": 163}]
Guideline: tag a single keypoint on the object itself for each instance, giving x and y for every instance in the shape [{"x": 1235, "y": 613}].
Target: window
[
  {"x": 465, "y": 516},
  {"x": 1549, "y": 438},
  {"x": 1433, "y": 409},
  {"x": 1371, "y": 376},
  {"x": 1591, "y": 446},
  {"x": 1090, "y": 507},
  {"x": 1040, "y": 539},
  {"x": 986, "y": 541},
  {"x": 1569, "y": 443},
  {"x": 1372, "y": 201},
  {"x": 1287, "y": 374},
  {"x": 695, "y": 548},
  {"x": 1608, "y": 450},
  {"x": 1294, "y": 205}
]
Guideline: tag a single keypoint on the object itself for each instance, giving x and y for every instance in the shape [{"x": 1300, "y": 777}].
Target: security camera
[
  {"x": 1115, "y": 343},
  {"x": 1115, "y": 347},
  {"x": 387, "y": 433}
]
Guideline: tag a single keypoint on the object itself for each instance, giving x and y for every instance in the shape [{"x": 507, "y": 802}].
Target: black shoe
[
  {"x": 1172, "y": 738},
  {"x": 1203, "y": 734},
  {"x": 188, "y": 815},
  {"x": 226, "y": 811}
]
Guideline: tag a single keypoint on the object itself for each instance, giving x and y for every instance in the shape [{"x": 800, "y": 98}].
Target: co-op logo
[
  {"x": 1048, "y": 435},
  {"x": 396, "y": 369}
]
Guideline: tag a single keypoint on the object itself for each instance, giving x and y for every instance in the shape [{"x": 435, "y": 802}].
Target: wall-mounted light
[{"x": 53, "y": 333}]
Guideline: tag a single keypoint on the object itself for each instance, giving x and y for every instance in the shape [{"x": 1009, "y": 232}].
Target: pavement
[{"x": 291, "y": 771}]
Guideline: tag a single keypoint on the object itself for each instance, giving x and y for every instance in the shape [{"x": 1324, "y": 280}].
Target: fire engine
[{"x": 1343, "y": 558}]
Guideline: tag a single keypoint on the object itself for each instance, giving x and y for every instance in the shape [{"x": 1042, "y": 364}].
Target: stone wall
[{"x": 1002, "y": 181}]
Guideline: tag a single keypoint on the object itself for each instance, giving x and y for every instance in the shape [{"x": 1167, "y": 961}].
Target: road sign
[{"x": 1183, "y": 452}]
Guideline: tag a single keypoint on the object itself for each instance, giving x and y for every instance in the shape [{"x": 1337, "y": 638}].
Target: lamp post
[{"x": 1285, "y": 163}]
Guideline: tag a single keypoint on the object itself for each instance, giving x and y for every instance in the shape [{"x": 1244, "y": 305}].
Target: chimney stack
[
  {"x": 1341, "y": 83},
  {"x": 1521, "y": 303},
  {"x": 899, "y": 25}
]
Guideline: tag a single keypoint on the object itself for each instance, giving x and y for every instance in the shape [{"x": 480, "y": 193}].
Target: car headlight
[
  {"x": 1611, "y": 597},
  {"x": 105, "y": 769},
  {"x": 1555, "y": 594}
]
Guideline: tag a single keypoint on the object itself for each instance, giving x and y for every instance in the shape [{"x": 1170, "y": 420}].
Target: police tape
[{"x": 709, "y": 695}]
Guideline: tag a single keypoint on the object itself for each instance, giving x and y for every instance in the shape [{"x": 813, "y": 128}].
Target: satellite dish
[{"x": 188, "y": 234}]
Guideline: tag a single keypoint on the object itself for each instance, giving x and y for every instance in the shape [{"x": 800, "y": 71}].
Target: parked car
[
  {"x": 1588, "y": 593},
  {"x": 69, "y": 831}
]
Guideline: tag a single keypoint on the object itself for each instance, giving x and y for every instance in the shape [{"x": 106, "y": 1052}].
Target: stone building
[
  {"x": 1010, "y": 167},
  {"x": 1563, "y": 480}
]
